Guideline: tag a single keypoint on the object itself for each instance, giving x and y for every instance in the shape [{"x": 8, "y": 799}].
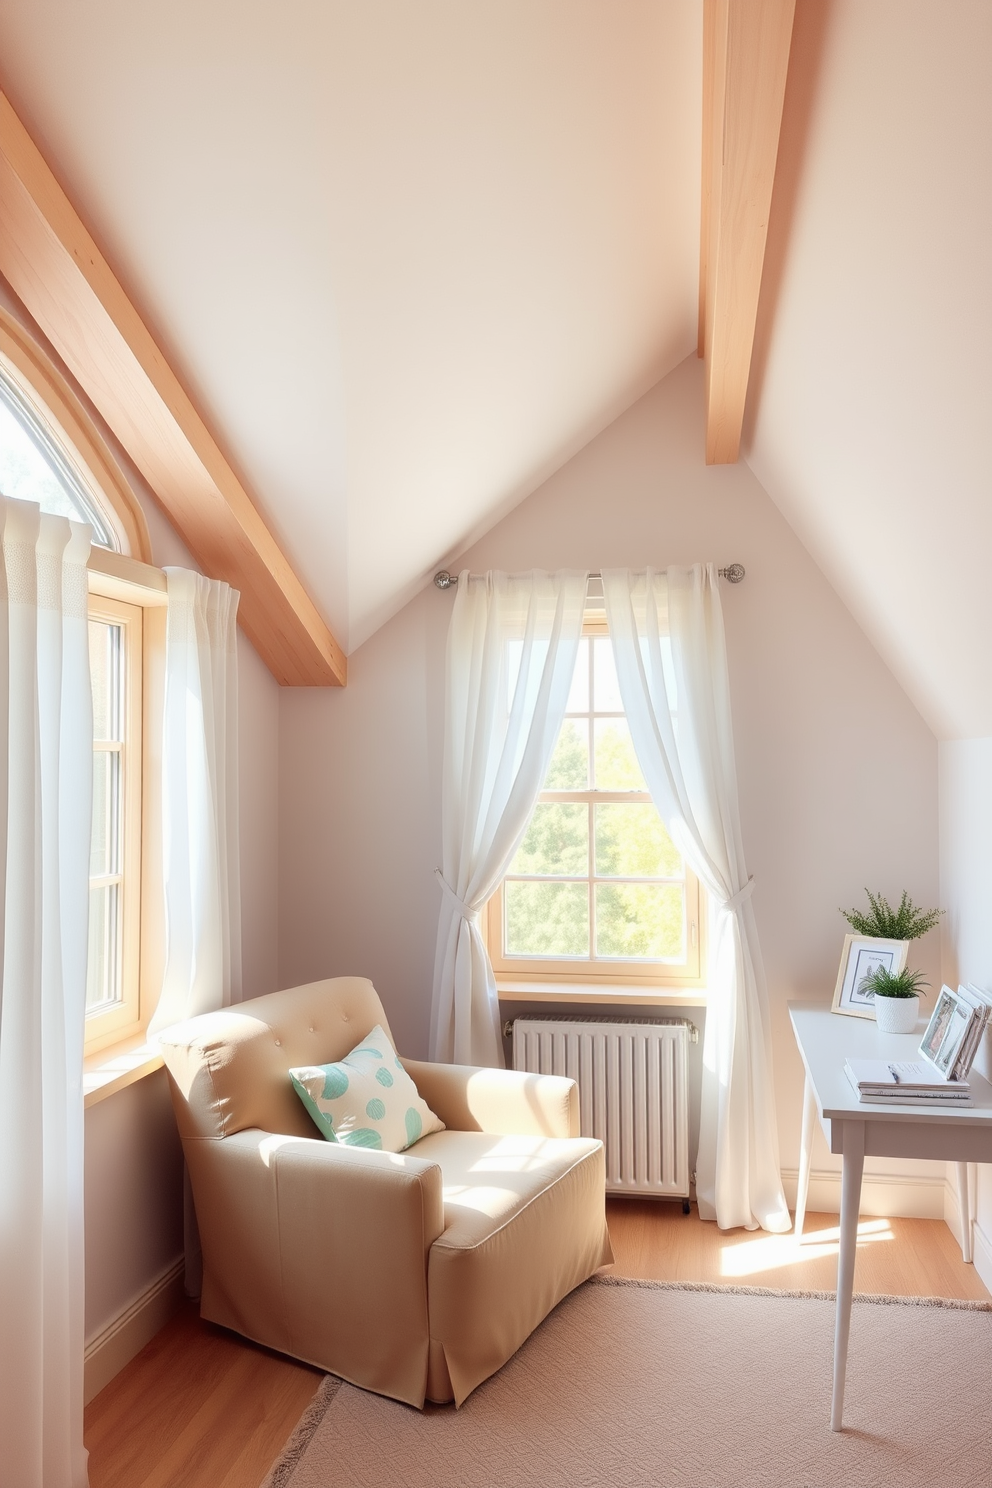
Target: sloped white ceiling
[
  {"x": 874, "y": 413},
  {"x": 407, "y": 257}
]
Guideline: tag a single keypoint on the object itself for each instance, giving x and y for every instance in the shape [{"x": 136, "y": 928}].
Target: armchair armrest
[
  {"x": 506, "y": 1102},
  {"x": 321, "y": 1250}
]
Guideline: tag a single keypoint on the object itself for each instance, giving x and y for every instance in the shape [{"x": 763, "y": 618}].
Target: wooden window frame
[
  {"x": 111, "y": 1022},
  {"x": 51, "y": 397},
  {"x": 119, "y": 585},
  {"x": 688, "y": 975}
]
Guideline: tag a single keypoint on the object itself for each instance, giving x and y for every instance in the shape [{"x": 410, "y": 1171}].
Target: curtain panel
[
  {"x": 46, "y": 733},
  {"x": 512, "y": 645},
  {"x": 670, "y": 649},
  {"x": 200, "y": 800}
]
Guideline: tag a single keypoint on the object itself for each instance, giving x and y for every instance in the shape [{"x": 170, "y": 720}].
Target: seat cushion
[{"x": 525, "y": 1223}]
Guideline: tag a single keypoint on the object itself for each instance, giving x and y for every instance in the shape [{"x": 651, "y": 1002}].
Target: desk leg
[
  {"x": 964, "y": 1206},
  {"x": 805, "y": 1155},
  {"x": 850, "y": 1207}
]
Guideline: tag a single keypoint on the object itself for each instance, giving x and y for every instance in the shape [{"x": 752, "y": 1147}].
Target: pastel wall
[
  {"x": 966, "y": 893},
  {"x": 838, "y": 772}
]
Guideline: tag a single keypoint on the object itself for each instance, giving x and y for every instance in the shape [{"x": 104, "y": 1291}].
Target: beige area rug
[{"x": 645, "y": 1383}]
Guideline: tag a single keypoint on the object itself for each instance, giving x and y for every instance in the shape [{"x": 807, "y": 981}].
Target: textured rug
[{"x": 638, "y": 1384}]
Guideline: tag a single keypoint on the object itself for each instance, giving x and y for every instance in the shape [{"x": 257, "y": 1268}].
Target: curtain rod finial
[
  {"x": 444, "y": 580},
  {"x": 733, "y": 573}
]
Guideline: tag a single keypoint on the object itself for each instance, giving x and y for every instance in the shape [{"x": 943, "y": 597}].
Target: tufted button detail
[
  {"x": 278, "y": 1043},
  {"x": 310, "y": 1029}
]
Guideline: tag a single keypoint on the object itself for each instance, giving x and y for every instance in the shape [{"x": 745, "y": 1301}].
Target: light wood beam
[
  {"x": 53, "y": 264},
  {"x": 745, "y": 62}
]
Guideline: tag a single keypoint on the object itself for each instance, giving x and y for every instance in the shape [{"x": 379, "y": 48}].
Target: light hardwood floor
[{"x": 201, "y": 1408}]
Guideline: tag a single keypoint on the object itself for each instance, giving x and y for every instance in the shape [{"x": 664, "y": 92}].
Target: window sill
[
  {"x": 113, "y": 1069},
  {"x": 611, "y": 994}
]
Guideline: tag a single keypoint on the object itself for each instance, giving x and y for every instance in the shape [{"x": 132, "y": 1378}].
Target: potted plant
[
  {"x": 908, "y": 922},
  {"x": 896, "y": 994},
  {"x": 897, "y": 998}
]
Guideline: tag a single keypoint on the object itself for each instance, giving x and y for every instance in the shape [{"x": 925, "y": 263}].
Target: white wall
[
  {"x": 838, "y": 772},
  {"x": 871, "y": 387},
  {"x": 966, "y": 893}
]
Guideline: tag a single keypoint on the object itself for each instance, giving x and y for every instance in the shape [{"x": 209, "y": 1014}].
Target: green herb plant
[
  {"x": 903, "y": 983},
  {"x": 908, "y": 922}
]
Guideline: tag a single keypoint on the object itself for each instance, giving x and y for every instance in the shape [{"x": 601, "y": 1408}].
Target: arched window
[
  {"x": 52, "y": 452},
  {"x": 34, "y": 468}
]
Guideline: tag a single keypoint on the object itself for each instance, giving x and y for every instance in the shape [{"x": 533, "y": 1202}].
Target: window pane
[
  {"x": 640, "y": 921},
  {"x": 578, "y": 697},
  {"x": 33, "y": 467},
  {"x": 546, "y": 919},
  {"x": 105, "y": 837},
  {"x": 569, "y": 767},
  {"x": 606, "y": 689},
  {"x": 557, "y": 840},
  {"x": 616, "y": 763},
  {"x": 631, "y": 842},
  {"x": 106, "y": 658},
  {"x": 102, "y": 982}
]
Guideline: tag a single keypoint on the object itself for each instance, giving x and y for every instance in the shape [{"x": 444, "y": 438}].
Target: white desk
[{"x": 858, "y": 1130}]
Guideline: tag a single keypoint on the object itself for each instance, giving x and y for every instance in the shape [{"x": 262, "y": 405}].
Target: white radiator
[{"x": 633, "y": 1093}]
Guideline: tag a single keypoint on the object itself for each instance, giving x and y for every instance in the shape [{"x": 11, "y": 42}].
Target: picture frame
[
  {"x": 861, "y": 955},
  {"x": 948, "y": 1027}
]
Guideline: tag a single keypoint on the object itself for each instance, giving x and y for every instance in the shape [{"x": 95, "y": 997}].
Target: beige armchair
[{"x": 415, "y": 1274}]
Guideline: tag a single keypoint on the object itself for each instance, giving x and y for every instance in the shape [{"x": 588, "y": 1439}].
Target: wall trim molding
[
  {"x": 981, "y": 1241},
  {"x": 983, "y": 1253},
  {"x": 884, "y": 1195},
  {"x": 108, "y": 1351}
]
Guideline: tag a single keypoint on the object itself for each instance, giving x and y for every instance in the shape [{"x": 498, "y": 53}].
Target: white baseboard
[
  {"x": 982, "y": 1243},
  {"x": 885, "y": 1195},
  {"x": 116, "y": 1344}
]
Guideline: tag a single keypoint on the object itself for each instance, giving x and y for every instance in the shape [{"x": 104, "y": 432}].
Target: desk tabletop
[{"x": 826, "y": 1040}]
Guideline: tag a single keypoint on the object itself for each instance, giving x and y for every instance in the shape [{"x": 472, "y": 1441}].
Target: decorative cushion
[{"x": 366, "y": 1099}]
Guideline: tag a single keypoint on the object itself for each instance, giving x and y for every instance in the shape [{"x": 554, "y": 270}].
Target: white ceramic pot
[{"x": 896, "y": 1014}]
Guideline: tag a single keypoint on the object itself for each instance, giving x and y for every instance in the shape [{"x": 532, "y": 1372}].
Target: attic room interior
[{"x": 494, "y": 540}]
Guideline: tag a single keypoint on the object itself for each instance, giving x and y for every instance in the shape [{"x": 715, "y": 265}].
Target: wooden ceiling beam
[
  {"x": 53, "y": 264},
  {"x": 745, "y": 61}
]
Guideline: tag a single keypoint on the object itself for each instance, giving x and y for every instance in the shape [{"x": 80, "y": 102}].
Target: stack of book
[
  {"x": 898, "y": 1082},
  {"x": 955, "y": 1030}
]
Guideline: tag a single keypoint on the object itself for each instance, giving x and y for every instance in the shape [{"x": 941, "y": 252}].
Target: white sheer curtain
[
  {"x": 512, "y": 645},
  {"x": 683, "y": 736},
  {"x": 200, "y": 800},
  {"x": 46, "y": 764}
]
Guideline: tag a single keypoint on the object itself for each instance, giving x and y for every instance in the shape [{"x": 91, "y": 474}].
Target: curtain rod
[{"x": 733, "y": 573}]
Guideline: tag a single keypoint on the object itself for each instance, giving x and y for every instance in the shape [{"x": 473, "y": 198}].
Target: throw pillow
[{"x": 366, "y": 1099}]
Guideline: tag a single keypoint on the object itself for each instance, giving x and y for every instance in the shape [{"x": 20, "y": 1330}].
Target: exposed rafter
[
  {"x": 55, "y": 267},
  {"x": 745, "y": 62}
]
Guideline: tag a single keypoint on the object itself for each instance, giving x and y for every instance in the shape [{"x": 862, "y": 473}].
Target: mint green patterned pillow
[{"x": 366, "y": 1099}]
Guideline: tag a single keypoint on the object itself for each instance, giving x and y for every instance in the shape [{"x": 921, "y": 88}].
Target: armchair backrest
[{"x": 230, "y": 1068}]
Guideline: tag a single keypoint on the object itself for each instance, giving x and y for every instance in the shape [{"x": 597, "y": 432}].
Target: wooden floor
[{"x": 201, "y": 1408}]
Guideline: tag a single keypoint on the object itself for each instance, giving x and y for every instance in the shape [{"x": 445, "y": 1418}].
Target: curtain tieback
[
  {"x": 471, "y": 915},
  {"x": 736, "y": 900}
]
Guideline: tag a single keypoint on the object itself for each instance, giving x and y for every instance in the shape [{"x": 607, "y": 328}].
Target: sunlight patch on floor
[{"x": 774, "y": 1251}]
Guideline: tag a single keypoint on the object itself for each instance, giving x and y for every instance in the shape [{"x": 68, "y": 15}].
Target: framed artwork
[
  {"x": 862, "y": 955},
  {"x": 946, "y": 1031}
]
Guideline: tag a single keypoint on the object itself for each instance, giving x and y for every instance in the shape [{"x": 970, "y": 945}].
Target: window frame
[
  {"x": 108, "y": 1024},
  {"x": 689, "y": 975},
  {"x": 115, "y": 580},
  {"x": 55, "y": 403},
  {"x": 124, "y": 576}
]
